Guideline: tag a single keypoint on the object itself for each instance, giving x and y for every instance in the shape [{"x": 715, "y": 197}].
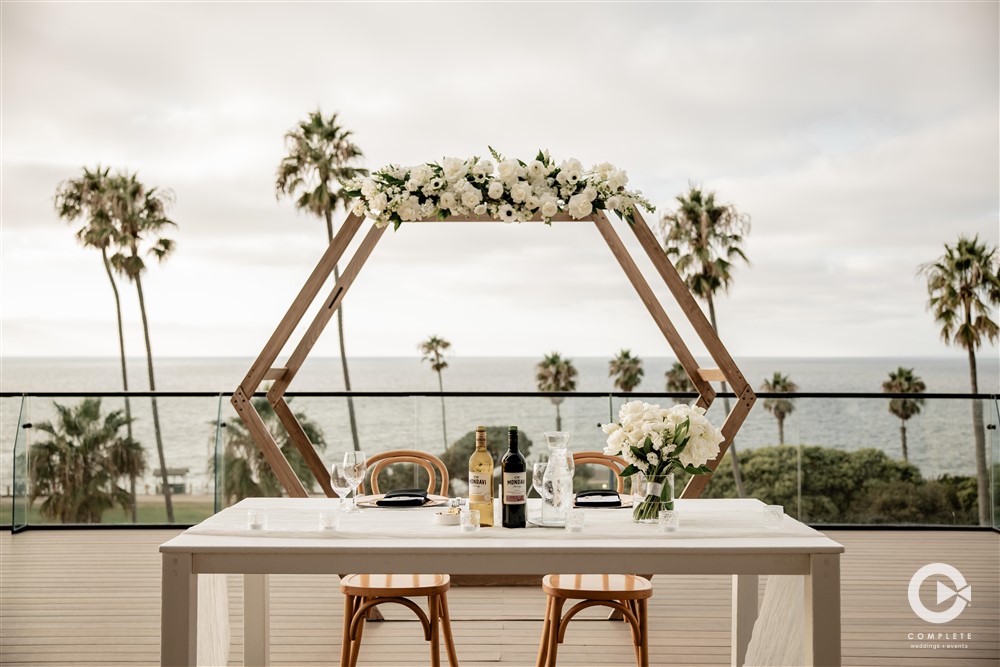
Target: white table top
[{"x": 729, "y": 527}]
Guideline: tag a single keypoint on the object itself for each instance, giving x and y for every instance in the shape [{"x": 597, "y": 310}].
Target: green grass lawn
[{"x": 187, "y": 510}]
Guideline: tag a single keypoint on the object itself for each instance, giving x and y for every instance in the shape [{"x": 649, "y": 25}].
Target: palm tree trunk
[
  {"x": 902, "y": 436},
  {"x": 156, "y": 413},
  {"x": 781, "y": 431},
  {"x": 558, "y": 417},
  {"x": 444, "y": 421},
  {"x": 121, "y": 355},
  {"x": 328, "y": 214},
  {"x": 982, "y": 483},
  {"x": 737, "y": 471}
]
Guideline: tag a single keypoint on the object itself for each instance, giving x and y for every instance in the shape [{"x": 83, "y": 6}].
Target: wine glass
[
  {"x": 538, "y": 477},
  {"x": 340, "y": 483},
  {"x": 355, "y": 466}
]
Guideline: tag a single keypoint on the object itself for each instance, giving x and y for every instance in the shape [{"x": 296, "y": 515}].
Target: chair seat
[
  {"x": 598, "y": 586},
  {"x": 396, "y": 585}
]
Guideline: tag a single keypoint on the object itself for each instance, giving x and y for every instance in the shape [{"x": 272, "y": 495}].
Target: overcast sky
[{"x": 859, "y": 137}]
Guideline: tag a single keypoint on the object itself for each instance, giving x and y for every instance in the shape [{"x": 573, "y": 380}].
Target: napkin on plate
[
  {"x": 598, "y": 498},
  {"x": 403, "y": 498}
]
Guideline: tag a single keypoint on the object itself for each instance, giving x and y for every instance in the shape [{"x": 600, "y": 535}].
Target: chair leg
[
  {"x": 432, "y": 608},
  {"x": 356, "y": 644},
  {"x": 543, "y": 643},
  {"x": 449, "y": 640},
  {"x": 554, "y": 628},
  {"x": 345, "y": 648},
  {"x": 643, "y": 633}
]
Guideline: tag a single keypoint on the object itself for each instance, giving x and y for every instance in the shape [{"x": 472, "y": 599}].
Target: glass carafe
[{"x": 557, "y": 483}]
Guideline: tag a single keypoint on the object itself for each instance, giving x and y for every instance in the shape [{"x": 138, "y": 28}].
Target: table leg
[
  {"x": 744, "y": 616},
  {"x": 822, "y": 611},
  {"x": 256, "y": 620},
  {"x": 178, "y": 612}
]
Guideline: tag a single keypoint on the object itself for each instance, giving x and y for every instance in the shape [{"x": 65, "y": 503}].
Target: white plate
[{"x": 537, "y": 521}]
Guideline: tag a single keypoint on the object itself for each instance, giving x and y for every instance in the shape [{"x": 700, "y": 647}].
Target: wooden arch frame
[{"x": 263, "y": 368}]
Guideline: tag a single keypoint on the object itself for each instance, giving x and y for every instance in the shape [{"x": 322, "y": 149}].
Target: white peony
[
  {"x": 419, "y": 176},
  {"x": 368, "y": 187},
  {"x": 495, "y": 190},
  {"x": 378, "y": 202},
  {"x": 549, "y": 207},
  {"x": 508, "y": 170},
  {"x": 409, "y": 209}
]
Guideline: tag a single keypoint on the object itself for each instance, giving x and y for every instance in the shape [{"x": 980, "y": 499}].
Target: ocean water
[{"x": 940, "y": 438}]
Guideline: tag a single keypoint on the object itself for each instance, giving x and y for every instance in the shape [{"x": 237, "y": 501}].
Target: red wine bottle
[{"x": 515, "y": 484}]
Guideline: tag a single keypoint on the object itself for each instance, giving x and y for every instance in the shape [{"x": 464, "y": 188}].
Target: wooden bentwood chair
[
  {"x": 625, "y": 594},
  {"x": 364, "y": 592}
]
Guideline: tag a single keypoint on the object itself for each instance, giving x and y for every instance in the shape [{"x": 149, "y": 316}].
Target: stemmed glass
[
  {"x": 538, "y": 477},
  {"x": 355, "y": 466},
  {"x": 340, "y": 483}
]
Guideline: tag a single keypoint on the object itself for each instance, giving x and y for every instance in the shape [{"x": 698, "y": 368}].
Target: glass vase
[{"x": 659, "y": 496}]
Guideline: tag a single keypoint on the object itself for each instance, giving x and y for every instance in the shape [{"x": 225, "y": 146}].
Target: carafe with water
[{"x": 557, "y": 483}]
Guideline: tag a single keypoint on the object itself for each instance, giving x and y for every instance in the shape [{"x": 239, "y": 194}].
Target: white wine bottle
[{"x": 481, "y": 479}]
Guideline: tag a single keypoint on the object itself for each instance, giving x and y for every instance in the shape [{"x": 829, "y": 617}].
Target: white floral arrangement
[
  {"x": 656, "y": 441},
  {"x": 510, "y": 191}
]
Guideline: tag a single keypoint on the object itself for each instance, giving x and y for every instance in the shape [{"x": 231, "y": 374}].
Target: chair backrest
[
  {"x": 378, "y": 462},
  {"x": 615, "y": 463}
]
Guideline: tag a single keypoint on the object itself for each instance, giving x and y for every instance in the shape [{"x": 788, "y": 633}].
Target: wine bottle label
[
  {"x": 480, "y": 484},
  {"x": 515, "y": 487}
]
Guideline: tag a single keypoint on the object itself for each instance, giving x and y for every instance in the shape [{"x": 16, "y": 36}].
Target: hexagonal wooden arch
[{"x": 263, "y": 369}]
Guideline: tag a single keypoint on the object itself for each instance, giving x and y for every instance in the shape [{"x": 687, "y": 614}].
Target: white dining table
[{"x": 715, "y": 537}]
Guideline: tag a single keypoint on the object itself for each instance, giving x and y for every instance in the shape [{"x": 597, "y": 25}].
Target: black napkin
[
  {"x": 403, "y": 498},
  {"x": 598, "y": 498}
]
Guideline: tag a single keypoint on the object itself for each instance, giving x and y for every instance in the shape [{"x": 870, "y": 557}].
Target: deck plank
[{"x": 92, "y": 598}]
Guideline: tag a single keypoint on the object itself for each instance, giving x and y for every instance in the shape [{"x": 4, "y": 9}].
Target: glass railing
[{"x": 830, "y": 459}]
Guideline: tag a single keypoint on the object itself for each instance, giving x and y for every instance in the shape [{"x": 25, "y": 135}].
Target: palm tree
[
  {"x": 964, "y": 284},
  {"x": 433, "y": 350},
  {"x": 678, "y": 380},
  {"x": 706, "y": 239},
  {"x": 78, "y": 467},
  {"x": 140, "y": 217},
  {"x": 320, "y": 154},
  {"x": 903, "y": 381},
  {"x": 246, "y": 472},
  {"x": 626, "y": 371},
  {"x": 779, "y": 407},
  {"x": 87, "y": 197},
  {"x": 553, "y": 373}
]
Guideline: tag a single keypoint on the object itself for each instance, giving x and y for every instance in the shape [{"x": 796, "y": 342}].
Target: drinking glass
[
  {"x": 670, "y": 520},
  {"x": 773, "y": 514},
  {"x": 538, "y": 477},
  {"x": 340, "y": 482},
  {"x": 355, "y": 466},
  {"x": 469, "y": 520},
  {"x": 574, "y": 520}
]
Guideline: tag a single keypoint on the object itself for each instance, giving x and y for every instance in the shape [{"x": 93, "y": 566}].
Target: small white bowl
[{"x": 446, "y": 519}]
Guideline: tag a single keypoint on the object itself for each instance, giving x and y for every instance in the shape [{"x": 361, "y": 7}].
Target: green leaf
[
  {"x": 541, "y": 156},
  {"x": 496, "y": 156},
  {"x": 396, "y": 225},
  {"x": 629, "y": 470}
]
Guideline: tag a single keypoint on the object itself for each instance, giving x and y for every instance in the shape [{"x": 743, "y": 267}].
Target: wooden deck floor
[{"x": 92, "y": 598}]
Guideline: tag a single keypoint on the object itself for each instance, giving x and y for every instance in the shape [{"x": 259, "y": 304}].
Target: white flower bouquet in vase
[{"x": 657, "y": 441}]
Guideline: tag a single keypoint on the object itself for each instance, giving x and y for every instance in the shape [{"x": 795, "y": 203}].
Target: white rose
[
  {"x": 480, "y": 210},
  {"x": 579, "y": 206},
  {"x": 536, "y": 170},
  {"x": 471, "y": 197},
  {"x": 613, "y": 202},
  {"x": 448, "y": 201},
  {"x": 549, "y": 208},
  {"x": 589, "y": 193},
  {"x": 508, "y": 170},
  {"x": 618, "y": 180},
  {"x": 419, "y": 176},
  {"x": 454, "y": 168},
  {"x": 495, "y": 190},
  {"x": 520, "y": 192},
  {"x": 379, "y": 202}
]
